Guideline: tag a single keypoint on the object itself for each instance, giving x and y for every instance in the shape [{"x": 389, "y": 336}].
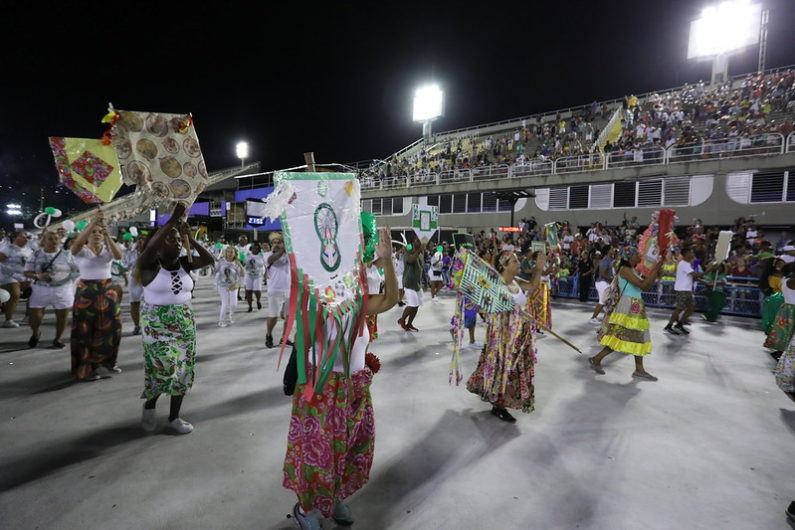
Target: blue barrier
[{"x": 742, "y": 300}]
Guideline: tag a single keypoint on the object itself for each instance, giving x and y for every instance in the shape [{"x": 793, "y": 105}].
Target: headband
[
  {"x": 505, "y": 256},
  {"x": 626, "y": 252}
]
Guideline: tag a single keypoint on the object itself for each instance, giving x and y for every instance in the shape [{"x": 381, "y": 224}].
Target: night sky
[{"x": 336, "y": 79}]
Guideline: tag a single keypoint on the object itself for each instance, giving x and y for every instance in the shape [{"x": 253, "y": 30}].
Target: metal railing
[
  {"x": 760, "y": 145},
  {"x": 741, "y": 300}
]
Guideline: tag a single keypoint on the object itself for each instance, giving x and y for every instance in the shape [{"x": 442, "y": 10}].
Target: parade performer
[
  {"x": 540, "y": 299},
  {"x": 625, "y": 327},
  {"x": 96, "y": 315},
  {"x": 375, "y": 277},
  {"x": 169, "y": 328},
  {"x": 255, "y": 269},
  {"x": 278, "y": 273},
  {"x": 136, "y": 290},
  {"x": 331, "y": 435},
  {"x": 228, "y": 273},
  {"x": 781, "y": 332},
  {"x": 785, "y": 369},
  {"x": 505, "y": 370},
  {"x": 53, "y": 272},
  {"x": 412, "y": 284},
  {"x": 13, "y": 256}
]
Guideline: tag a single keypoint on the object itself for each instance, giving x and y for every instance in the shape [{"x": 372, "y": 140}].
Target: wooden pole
[{"x": 309, "y": 160}]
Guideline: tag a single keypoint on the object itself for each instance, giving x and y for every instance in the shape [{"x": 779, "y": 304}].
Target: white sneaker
[
  {"x": 222, "y": 324},
  {"x": 10, "y": 324},
  {"x": 476, "y": 345},
  {"x": 149, "y": 419},
  {"x": 595, "y": 321},
  {"x": 180, "y": 426}
]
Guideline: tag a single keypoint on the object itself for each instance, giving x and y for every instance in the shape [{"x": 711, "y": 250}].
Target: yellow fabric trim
[
  {"x": 629, "y": 322},
  {"x": 633, "y": 348}
]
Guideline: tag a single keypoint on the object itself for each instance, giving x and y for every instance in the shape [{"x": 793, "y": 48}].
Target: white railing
[{"x": 760, "y": 145}]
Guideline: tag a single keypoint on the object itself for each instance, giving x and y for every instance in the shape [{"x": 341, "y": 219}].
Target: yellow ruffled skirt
[{"x": 626, "y": 329}]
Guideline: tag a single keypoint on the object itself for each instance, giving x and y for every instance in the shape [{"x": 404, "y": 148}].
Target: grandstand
[{"x": 715, "y": 152}]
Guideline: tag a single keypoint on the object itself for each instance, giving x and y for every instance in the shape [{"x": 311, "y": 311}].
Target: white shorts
[
  {"x": 400, "y": 281},
  {"x": 61, "y": 297},
  {"x": 253, "y": 283},
  {"x": 413, "y": 298},
  {"x": 601, "y": 288},
  {"x": 136, "y": 290},
  {"x": 277, "y": 304}
]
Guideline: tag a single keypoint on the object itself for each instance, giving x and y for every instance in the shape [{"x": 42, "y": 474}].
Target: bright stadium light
[
  {"x": 242, "y": 152},
  {"x": 13, "y": 206},
  {"x": 723, "y": 29},
  {"x": 428, "y": 103}
]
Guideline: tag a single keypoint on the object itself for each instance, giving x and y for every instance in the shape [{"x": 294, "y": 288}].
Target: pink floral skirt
[{"x": 331, "y": 442}]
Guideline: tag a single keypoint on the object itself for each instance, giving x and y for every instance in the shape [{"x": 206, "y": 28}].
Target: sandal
[{"x": 57, "y": 345}]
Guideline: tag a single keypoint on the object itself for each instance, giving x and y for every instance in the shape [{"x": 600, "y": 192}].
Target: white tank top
[
  {"x": 789, "y": 294},
  {"x": 520, "y": 299},
  {"x": 357, "y": 352},
  {"x": 169, "y": 288}
]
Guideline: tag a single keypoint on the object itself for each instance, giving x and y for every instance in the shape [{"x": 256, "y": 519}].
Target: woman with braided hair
[
  {"x": 505, "y": 371},
  {"x": 626, "y": 328}
]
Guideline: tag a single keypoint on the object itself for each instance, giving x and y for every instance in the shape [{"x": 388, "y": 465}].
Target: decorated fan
[
  {"x": 552, "y": 236},
  {"x": 89, "y": 168},
  {"x": 320, "y": 216},
  {"x": 656, "y": 239},
  {"x": 159, "y": 153}
]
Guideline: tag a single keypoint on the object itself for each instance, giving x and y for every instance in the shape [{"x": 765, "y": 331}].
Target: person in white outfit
[
  {"x": 255, "y": 269},
  {"x": 136, "y": 290},
  {"x": 435, "y": 275},
  {"x": 13, "y": 256},
  {"x": 228, "y": 273},
  {"x": 278, "y": 270},
  {"x": 53, "y": 271}
]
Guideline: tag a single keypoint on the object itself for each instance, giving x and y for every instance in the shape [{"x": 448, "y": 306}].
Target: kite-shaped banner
[
  {"x": 424, "y": 221},
  {"x": 159, "y": 153},
  {"x": 320, "y": 216},
  {"x": 87, "y": 167},
  {"x": 478, "y": 281}
]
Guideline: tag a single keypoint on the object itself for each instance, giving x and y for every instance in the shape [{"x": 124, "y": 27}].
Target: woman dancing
[
  {"x": 53, "y": 272},
  {"x": 96, "y": 315},
  {"x": 228, "y": 272},
  {"x": 505, "y": 371},
  {"x": 169, "y": 329},
  {"x": 332, "y": 435},
  {"x": 781, "y": 333},
  {"x": 626, "y": 328}
]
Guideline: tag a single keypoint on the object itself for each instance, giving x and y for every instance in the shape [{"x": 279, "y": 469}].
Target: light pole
[
  {"x": 242, "y": 152},
  {"x": 428, "y": 105}
]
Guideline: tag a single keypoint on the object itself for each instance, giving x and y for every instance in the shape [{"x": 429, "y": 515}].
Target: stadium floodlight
[
  {"x": 428, "y": 103},
  {"x": 242, "y": 152},
  {"x": 13, "y": 212},
  {"x": 723, "y": 29},
  {"x": 13, "y": 206}
]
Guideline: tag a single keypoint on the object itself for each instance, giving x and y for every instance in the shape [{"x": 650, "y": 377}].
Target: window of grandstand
[
  {"x": 648, "y": 193},
  {"x": 388, "y": 206},
  {"x": 764, "y": 186},
  {"x": 471, "y": 203}
]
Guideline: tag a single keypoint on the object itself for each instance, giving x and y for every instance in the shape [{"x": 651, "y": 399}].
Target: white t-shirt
[
  {"x": 94, "y": 266},
  {"x": 374, "y": 279},
  {"x": 567, "y": 241},
  {"x": 278, "y": 273},
  {"x": 684, "y": 277}
]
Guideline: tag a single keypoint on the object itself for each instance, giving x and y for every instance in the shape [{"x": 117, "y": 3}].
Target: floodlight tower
[
  {"x": 724, "y": 29},
  {"x": 428, "y": 105},
  {"x": 242, "y": 152}
]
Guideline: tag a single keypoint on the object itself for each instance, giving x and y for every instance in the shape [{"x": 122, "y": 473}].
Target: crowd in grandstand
[{"x": 694, "y": 120}]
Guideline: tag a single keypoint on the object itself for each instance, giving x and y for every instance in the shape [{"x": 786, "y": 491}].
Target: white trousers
[{"x": 228, "y": 303}]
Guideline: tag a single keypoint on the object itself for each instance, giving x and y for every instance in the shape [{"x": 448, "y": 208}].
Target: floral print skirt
[
  {"x": 626, "y": 329},
  {"x": 783, "y": 327},
  {"x": 331, "y": 442},
  {"x": 169, "y": 337},
  {"x": 506, "y": 368},
  {"x": 372, "y": 326},
  {"x": 785, "y": 370},
  {"x": 96, "y": 327}
]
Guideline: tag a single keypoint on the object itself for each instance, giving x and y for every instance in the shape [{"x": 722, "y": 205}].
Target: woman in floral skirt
[
  {"x": 505, "y": 371},
  {"x": 780, "y": 334},
  {"x": 169, "y": 330},
  {"x": 626, "y": 328},
  {"x": 331, "y": 438}
]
